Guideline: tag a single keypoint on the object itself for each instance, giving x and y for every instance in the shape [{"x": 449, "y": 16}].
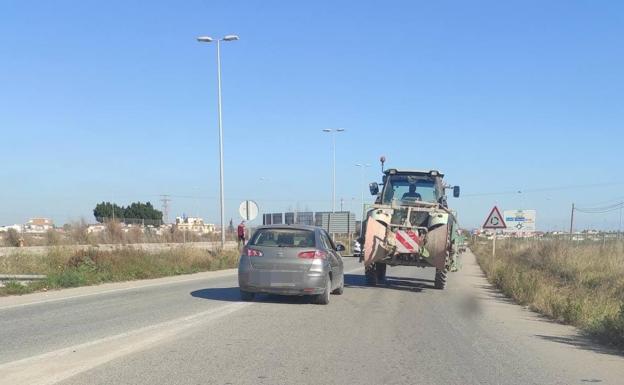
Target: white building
[
  {"x": 195, "y": 225},
  {"x": 95, "y": 229},
  {"x": 38, "y": 225},
  {"x": 4, "y": 229}
]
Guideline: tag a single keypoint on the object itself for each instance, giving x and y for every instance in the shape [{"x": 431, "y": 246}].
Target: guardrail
[{"x": 21, "y": 278}]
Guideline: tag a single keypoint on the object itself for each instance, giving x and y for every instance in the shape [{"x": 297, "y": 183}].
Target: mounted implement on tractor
[{"x": 410, "y": 224}]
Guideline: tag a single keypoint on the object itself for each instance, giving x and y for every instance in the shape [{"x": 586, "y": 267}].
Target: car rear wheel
[
  {"x": 340, "y": 289},
  {"x": 247, "y": 295},
  {"x": 323, "y": 298}
]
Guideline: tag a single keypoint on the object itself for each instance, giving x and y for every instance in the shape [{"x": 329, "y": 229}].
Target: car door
[{"x": 335, "y": 260}]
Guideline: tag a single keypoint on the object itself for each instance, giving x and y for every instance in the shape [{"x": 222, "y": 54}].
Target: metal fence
[
  {"x": 341, "y": 222},
  {"x": 131, "y": 221}
]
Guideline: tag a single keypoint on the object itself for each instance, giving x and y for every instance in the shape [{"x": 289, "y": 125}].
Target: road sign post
[
  {"x": 248, "y": 210},
  {"x": 493, "y": 247},
  {"x": 494, "y": 221}
]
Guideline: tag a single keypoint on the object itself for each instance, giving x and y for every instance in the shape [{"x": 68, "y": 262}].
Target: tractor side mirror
[
  {"x": 374, "y": 188},
  {"x": 456, "y": 191}
]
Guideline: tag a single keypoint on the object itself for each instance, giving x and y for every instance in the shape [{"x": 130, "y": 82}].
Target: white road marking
[
  {"x": 55, "y": 366},
  {"x": 52, "y": 367}
]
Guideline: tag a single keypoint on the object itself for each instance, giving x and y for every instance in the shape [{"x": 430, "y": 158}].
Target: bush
[
  {"x": 14, "y": 287},
  {"x": 53, "y": 238},
  {"x": 13, "y": 238},
  {"x": 578, "y": 284},
  {"x": 78, "y": 232},
  {"x": 91, "y": 266}
]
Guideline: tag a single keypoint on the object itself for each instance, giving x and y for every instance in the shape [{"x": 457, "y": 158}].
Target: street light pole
[
  {"x": 221, "y": 192},
  {"x": 207, "y": 39},
  {"x": 332, "y": 132}
]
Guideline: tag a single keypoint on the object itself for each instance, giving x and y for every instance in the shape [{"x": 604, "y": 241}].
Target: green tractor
[{"x": 410, "y": 224}]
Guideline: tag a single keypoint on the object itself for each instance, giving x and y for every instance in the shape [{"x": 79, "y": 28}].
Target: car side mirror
[
  {"x": 340, "y": 247},
  {"x": 456, "y": 191},
  {"x": 374, "y": 188}
]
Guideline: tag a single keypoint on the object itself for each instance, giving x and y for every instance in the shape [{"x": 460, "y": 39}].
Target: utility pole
[
  {"x": 165, "y": 199},
  {"x": 572, "y": 221},
  {"x": 620, "y": 226}
]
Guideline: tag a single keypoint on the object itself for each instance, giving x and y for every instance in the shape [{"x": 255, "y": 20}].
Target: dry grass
[
  {"x": 76, "y": 233},
  {"x": 66, "y": 268},
  {"x": 580, "y": 284}
]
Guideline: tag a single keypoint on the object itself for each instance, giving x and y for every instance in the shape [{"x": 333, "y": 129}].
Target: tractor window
[{"x": 404, "y": 189}]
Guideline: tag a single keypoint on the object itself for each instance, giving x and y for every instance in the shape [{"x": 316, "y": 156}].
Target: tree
[
  {"x": 135, "y": 211},
  {"x": 143, "y": 211},
  {"x": 107, "y": 210}
]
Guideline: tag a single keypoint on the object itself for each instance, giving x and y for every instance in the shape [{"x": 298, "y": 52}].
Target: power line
[
  {"x": 601, "y": 210},
  {"x": 544, "y": 189}
]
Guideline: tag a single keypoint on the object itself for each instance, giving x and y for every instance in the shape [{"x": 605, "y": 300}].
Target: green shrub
[{"x": 14, "y": 287}]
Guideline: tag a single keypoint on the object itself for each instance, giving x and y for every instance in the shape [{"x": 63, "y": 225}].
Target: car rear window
[{"x": 283, "y": 238}]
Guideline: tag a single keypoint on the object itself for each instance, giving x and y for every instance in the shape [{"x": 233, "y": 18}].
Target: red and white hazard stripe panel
[{"x": 407, "y": 241}]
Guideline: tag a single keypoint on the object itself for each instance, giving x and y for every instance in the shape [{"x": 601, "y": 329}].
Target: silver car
[{"x": 291, "y": 260}]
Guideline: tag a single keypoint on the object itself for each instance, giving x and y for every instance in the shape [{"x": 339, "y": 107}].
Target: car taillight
[
  {"x": 252, "y": 252},
  {"x": 312, "y": 254}
]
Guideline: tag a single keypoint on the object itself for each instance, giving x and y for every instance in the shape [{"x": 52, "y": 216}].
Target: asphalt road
[{"x": 194, "y": 330}]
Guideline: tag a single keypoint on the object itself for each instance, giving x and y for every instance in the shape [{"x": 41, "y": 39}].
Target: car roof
[{"x": 295, "y": 227}]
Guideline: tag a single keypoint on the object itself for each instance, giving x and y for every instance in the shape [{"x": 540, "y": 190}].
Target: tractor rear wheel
[
  {"x": 438, "y": 244},
  {"x": 440, "y": 279},
  {"x": 380, "y": 270},
  {"x": 371, "y": 275}
]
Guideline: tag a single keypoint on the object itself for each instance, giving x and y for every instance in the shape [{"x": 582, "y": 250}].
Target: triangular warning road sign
[{"x": 494, "y": 220}]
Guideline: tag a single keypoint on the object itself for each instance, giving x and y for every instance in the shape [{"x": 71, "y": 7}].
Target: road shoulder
[
  {"x": 85, "y": 291},
  {"x": 559, "y": 347}
]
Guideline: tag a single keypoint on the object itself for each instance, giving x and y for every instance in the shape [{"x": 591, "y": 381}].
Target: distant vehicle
[
  {"x": 357, "y": 248},
  {"x": 291, "y": 260},
  {"x": 410, "y": 224}
]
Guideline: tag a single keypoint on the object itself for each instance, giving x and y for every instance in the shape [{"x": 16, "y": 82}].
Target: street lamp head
[
  {"x": 204, "y": 39},
  {"x": 340, "y": 129},
  {"x": 230, "y": 37},
  {"x": 327, "y": 130},
  {"x": 358, "y": 164}
]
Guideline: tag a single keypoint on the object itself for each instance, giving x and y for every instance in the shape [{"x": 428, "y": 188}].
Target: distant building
[
  {"x": 194, "y": 224},
  {"x": 4, "y": 229},
  {"x": 38, "y": 225},
  {"x": 96, "y": 229}
]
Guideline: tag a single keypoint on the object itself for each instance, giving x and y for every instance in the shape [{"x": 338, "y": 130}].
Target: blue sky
[{"x": 117, "y": 101}]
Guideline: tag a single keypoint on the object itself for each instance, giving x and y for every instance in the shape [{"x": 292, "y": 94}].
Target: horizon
[{"x": 518, "y": 103}]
